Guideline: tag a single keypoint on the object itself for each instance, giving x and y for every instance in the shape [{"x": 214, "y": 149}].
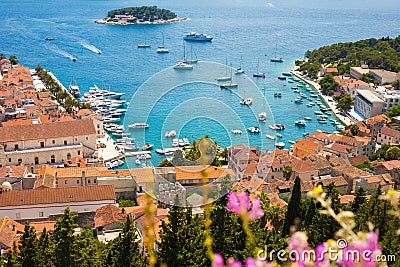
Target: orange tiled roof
[
  {"x": 142, "y": 175},
  {"x": 307, "y": 186},
  {"x": 57, "y": 195},
  {"x": 195, "y": 172},
  {"x": 16, "y": 171},
  {"x": 388, "y": 131},
  {"x": 17, "y": 122},
  {"x": 40, "y": 226},
  {"x": 108, "y": 214},
  {"x": 330, "y": 70},
  {"x": 44, "y": 131},
  {"x": 9, "y": 230}
]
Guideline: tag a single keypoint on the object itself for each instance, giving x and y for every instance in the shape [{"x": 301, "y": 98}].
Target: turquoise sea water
[{"x": 242, "y": 29}]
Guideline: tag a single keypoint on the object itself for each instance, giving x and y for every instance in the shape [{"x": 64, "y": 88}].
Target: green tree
[
  {"x": 393, "y": 111},
  {"x": 359, "y": 200},
  {"x": 287, "y": 172},
  {"x": 28, "y": 247},
  {"x": 13, "y": 60},
  {"x": 64, "y": 238},
  {"x": 344, "y": 102},
  {"x": 354, "y": 130},
  {"x": 396, "y": 84},
  {"x": 165, "y": 163},
  {"x": 45, "y": 252},
  {"x": 392, "y": 153},
  {"x": 293, "y": 211},
  {"x": 328, "y": 84},
  {"x": 124, "y": 250},
  {"x": 182, "y": 239},
  {"x": 86, "y": 250}
]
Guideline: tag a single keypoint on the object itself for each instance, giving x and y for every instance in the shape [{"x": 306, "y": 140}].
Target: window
[
  {"x": 19, "y": 161},
  {"x": 41, "y": 214},
  {"x": 36, "y": 160},
  {"x": 79, "y": 152},
  {"x": 68, "y": 156},
  {"x": 88, "y": 181},
  {"x": 54, "y": 141},
  {"x": 9, "y": 159},
  {"x": 16, "y": 147},
  {"x": 76, "y": 139},
  {"x": 65, "y": 182},
  {"x": 53, "y": 159},
  {"x": 41, "y": 144},
  {"x": 77, "y": 181},
  {"x": 87, "y": 138},
  {"x": 94, "y": 181},
  {"x": 65, "y": 142},
  {"x": 18, "y": 215}
]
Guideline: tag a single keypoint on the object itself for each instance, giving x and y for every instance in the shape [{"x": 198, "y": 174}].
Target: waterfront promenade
[{"x": 332, "y": 104}]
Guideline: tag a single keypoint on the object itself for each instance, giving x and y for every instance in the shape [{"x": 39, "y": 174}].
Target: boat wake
[
  {"x": 91, "y": 47},
  {"x": 60, "y": 52}
]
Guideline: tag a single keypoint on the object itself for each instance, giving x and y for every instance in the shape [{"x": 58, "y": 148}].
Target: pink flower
[
  {"x": 231, "y": 262},
  {"x": 250, "y": 262},
  {"x": 321, "y": 258},
  {"x": 218, "y": 261},
  {"x": 240, "y": 205}
]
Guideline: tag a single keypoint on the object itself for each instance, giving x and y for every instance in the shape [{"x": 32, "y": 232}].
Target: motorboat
[
  {"x": 236, "y": 131},
  {"x": 170, "y": 133},
  {"x": 139, "y": 125},
  {"x": 279, "y": 135},
  {"x": 308, "y": 118},
  {"x": 254, "y": 129},
  {"x": 277, "y": 94},
  {"x": 228, "y": 85},
  {"x": 49, "y": 38},
  {"x": 143, "y": 45},
  {"x": 280, "y": 145},
  {"x": 175, "y": 142},
  {"x": 298, "y": 100},
  {"x": 137, "y": 162},
  {"x": 262, "y": 116},
  {"x": 73, "y": 88},
  {"x": 183, "y": 66},
  {"x": 318, "y": 112},
  {"x": 197, "y": 37},
  {"x": 282, "y": 78},
  {"x": 301, "y": 123},
  {"x": 246, "y": 101},
  {"x": 291, "y": 142},
  {"x": 314, "y": 95},
  {"x": 186, "y": 141},
  {"x": 259, "y": 74},
  {"x": 73, "y": 58},
  {"x": 287, "y": 74},
  {"x": 270, "y": 137},
  {"x": 147, "y": 147}
]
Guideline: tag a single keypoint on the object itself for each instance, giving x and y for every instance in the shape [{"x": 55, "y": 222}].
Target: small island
[{"x": 140, "y": 15}]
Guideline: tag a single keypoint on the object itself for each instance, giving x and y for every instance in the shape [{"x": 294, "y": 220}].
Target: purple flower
[
  {"x": 240, "y": 205},
  {"x": 231, "y": 262},
  {"x": 321, "y": 258}
]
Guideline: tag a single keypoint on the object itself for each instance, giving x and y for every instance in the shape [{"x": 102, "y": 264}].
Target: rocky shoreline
[{"x": 110, "y": 21}]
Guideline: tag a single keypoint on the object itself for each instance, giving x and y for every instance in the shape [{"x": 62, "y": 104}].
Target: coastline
[
  {"x": 108, "y": 21},
  {"x": 343, "y": 119}
]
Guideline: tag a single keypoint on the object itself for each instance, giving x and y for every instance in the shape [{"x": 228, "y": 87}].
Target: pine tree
[
  {"x": 227, "y": 232},
  {"x": 86, "y": 249},
  {"x": 45, "y": 250},
  {"x": 293, "y": 211},
  {"x": 28, "y": 247},
  {"x": 64, "y": 238},
  {"x": 359, "y": 200},
  {"x": 182, "y": 239},
  {"x": 124, "y": 250}
]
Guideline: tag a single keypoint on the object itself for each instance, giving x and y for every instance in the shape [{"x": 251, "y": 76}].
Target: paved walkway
[
  {"x": 111, "y": 151},
  {"x": 332, "y": 104}
]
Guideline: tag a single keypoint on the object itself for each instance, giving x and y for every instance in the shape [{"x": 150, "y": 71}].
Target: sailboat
[
  {"x": 259, "y": 74},
  {"x": 181, "y": 65},
  {"x": 161, "y": 49},
  {"x": 143, "y": 45},
  {"x": 275, "y": 58},
  {"x": 229, "y": 84},
  {"x": 191, "y": 60},
  {"x": 263, "y": 115},
  {"x": 226, "y": 77},
  {"x": 240, "y": 69}
]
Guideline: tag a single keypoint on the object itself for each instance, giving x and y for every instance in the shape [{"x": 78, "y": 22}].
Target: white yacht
[
  {"x": 270, "y": 137},
  {"x": 246, "y": 101},
  {"x": 183, "y": 66},
  {"x": 229, "y": 85},
  {"x": 262, "y": 116},
  {"x": 254, "y": 129},
  {"x": 236, "y": 131},
  {"x": 139, "y": 125}
]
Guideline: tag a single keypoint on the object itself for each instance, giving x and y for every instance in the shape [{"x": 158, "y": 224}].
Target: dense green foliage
[
  {"x": 145, "y": 13},
  {"x": 386, "y": 152},
  {"x": 377, "y": 53},
  {"x": 344, "y": 102},
  {"x": 328, "y": 84},
  {"x": 293, "y": 211},
  {"x": 125, "y": 203},
  {"x": 393, "y": 111},
  {"x": 66, "y": 100}
]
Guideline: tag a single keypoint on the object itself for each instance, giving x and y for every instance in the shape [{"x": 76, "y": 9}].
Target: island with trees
[{"x": 140, "y": 15}]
